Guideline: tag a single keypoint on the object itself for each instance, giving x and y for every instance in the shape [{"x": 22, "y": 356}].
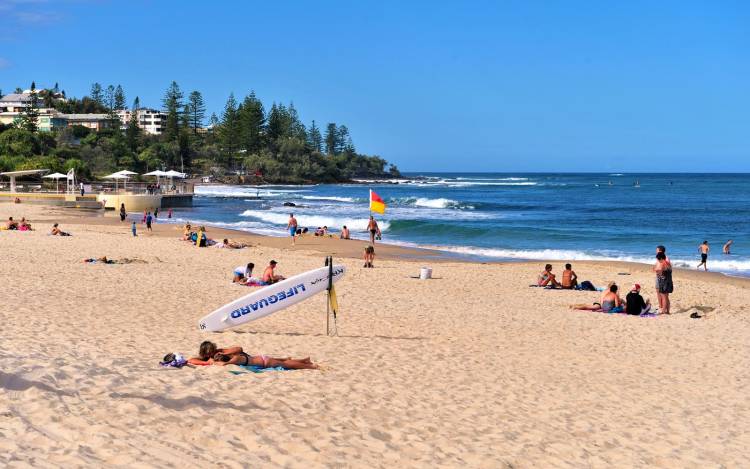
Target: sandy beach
[{"x": 471, "y": 369}]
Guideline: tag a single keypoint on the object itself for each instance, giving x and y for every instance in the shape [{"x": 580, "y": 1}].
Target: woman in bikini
[{"x": 210, "y": 354}]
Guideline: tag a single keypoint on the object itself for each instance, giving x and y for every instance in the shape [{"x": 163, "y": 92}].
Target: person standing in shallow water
[
  {"x": 728, "y": 247},
  {"x": 703, "y": 248}
]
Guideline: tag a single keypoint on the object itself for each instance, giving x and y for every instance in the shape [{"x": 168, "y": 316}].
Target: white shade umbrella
[
  {"x": 176, "y": 174},
  {"x": 56, "y": 177},
  {"x": 116, "y": 177},
  {"x": 125, "y": 172},
  {"x": 158, "y": 173}
]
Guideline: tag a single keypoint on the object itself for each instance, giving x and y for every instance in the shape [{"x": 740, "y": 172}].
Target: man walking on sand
[
  {"x": 703, "y": 248},
  {"x": 292, "y": 227},
  {"x": 372, "y": 227}
]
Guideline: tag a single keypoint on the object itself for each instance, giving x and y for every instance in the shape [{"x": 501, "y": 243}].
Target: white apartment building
[{"x": 150, "y": 120}]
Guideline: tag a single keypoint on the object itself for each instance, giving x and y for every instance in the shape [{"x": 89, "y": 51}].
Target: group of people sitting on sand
[
  {"x": 243, "y": 275},
  {"x": 198, "y": 238},
  {"x": 23, "y": 225},
  {"x": 210, "y": 354},
  {"x": 610, "y": 302},
  {"x": 548, "y": 279}
]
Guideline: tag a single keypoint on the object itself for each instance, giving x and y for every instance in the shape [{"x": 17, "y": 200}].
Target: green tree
[
  {"x": 343, "y": 140},
  {"x": 133, "y": 130},
  {"x": 109, "y": 98},
  {"x": 96, "y": 94},
  {"x": 251, "y": 117},
  {"x": 314, "y": 138},
  {"x": 296, "y": 128},
  {"x": 196, "y": 110},
  {"x": 19, "y": 142},
  {"x": 172, "y": 103},
  {"x": 119, "y": 99},
  {"x": 109, "y": 103},
  {"x": 279, "y": 123},
  {"x": 30, "y": 114},
  {"x": 331, "y": 138},
  {"x": 213, "y": 121},
  {"x": 229, "y": 130}
]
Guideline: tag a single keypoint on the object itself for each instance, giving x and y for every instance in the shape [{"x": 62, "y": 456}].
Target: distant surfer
[
  {"x": 292, "y": 228},
  {"x": 727, "y": 247},
  {"x": 703, "y": 248}
]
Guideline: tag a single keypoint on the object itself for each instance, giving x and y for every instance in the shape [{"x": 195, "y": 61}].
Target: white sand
[{"x": 473, "y": 369}]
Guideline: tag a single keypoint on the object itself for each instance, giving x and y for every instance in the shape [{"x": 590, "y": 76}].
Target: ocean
[{"x": 503, "y": 216}]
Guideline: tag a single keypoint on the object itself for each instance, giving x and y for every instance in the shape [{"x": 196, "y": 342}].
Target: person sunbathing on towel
[
  {"x": 547, "y": 277},
  {"x": 210, "y": 354}
]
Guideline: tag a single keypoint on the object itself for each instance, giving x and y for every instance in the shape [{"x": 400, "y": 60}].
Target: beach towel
[{"x": 255, "y": 369}]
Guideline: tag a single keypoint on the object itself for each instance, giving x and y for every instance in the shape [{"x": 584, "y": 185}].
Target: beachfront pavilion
[{"x": 14, "y": 174}]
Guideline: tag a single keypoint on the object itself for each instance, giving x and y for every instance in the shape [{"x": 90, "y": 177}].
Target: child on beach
[
  {"x": 134, "y": 229},
  {"x": 149, "y": 219},
  {"x": 210, "y": 354},
  {"x": 369, "y": 256}
]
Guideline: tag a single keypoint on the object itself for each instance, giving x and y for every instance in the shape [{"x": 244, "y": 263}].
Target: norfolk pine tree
[
  {"x": 30, "y": 114},
  {"x": 172, "y": 104},
  {"x": 197, "y": 110}
]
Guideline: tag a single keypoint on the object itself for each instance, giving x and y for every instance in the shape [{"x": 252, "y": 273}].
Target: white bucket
[{"x": 425, "y": 273}]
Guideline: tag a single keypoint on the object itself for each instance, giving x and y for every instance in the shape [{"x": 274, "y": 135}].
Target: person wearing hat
[
  {"x": 634, "y": 303},
  {"x": 269, "y": 276}
]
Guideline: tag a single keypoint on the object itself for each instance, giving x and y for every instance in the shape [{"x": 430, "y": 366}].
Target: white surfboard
[{"x": 270, "y": 299}]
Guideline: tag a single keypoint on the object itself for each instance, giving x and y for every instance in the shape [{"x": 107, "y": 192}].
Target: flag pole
[{"x": 328, "y": 299}]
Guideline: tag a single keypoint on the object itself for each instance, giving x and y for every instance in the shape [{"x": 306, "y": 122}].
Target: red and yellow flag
[{"x": 376, "y": 203}]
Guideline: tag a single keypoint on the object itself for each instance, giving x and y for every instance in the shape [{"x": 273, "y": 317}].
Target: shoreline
[{"x": 352, "y": 249}]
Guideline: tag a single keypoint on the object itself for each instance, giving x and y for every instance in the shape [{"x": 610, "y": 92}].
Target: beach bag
[{"x": 587, "y": 286}]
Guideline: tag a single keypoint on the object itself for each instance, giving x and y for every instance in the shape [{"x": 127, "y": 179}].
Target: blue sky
[{"x": 431, "y": 86}]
